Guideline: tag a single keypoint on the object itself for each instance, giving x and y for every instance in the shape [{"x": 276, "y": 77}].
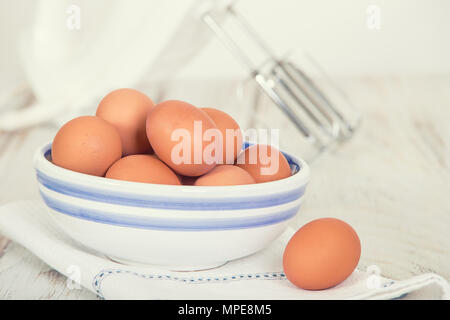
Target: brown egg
[
  {"x": 225, "y": 175},
  {"x": 321, "y": 254},
  {"x": 127, "y": 110},
  {"x": 176, "y": 131},
  {"x": 232, "y": 141},
  {"x": 264, "y": 163},
  {"x": 142, "y": 168},
  {"x": 87, "y": 144}
]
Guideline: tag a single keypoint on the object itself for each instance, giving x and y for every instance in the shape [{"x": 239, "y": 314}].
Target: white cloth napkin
[{"x": 259, "y": 276}]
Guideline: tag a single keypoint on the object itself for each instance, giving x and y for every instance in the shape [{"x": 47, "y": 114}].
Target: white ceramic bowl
[{"x": 179, "y": 227}]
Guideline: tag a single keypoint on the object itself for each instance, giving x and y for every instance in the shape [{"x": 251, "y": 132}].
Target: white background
[{"x": 414, "y": 37}]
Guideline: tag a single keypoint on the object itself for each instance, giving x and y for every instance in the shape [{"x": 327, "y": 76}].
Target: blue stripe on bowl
[
  {"x": 177, "y": 224},
  {"x": 151, "y": 201}
]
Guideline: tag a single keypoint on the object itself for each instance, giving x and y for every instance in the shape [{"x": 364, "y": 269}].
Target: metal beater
[{"x": 319, "y": 118}]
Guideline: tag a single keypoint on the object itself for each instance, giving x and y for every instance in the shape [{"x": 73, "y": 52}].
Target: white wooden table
[{"x": 391, "y": 181}]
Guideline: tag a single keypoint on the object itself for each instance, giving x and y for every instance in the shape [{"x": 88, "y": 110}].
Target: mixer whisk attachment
[{"x": 322, "y": 114}]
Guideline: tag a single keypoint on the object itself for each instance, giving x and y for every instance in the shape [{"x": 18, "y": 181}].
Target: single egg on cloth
[
  {"x": 127, "y": 110},
  {"x": 321, "y": 254},
  {"x": 142, "y": 168},
  {"x": 176, "y": 130},
  {"x": 264, "y": 163},
  {"x": 231, "y": 134},
  {"x": 87, "y": 144},
  {"x": 225, "y": 175}
]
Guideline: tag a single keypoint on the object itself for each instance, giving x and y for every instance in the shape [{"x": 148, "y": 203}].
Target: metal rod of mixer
[
  {"x": 228, "y": 42},
  {"x": 286, "y": 109},
  {"x": 350, "y": 127},
  {"x": 319, "y": 93},
  {"x": 305, "y": 99},
  {"x": 251, "y": 32}
]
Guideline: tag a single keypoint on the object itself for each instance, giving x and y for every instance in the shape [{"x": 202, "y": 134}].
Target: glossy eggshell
[
  {"x": 232, "y": 145},
  {"x": 321, "y": 254},
  {"x": 171, "y": 117},
  {"x": 87, "y": 144},
  {"x": 142, "y": 168},
  {"x": 127, "y": 110},
  {"x": 225, "y": 175},
  {"x": 257, "y": 158}
]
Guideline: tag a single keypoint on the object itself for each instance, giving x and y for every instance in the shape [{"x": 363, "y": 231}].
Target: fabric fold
[{"x": 259, "y": 276}]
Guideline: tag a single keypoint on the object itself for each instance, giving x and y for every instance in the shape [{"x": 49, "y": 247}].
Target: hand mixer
[{"x": 322, "y": 120}]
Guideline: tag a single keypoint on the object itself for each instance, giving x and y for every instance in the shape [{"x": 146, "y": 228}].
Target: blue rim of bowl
[{"x": 174, "y": 201}]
